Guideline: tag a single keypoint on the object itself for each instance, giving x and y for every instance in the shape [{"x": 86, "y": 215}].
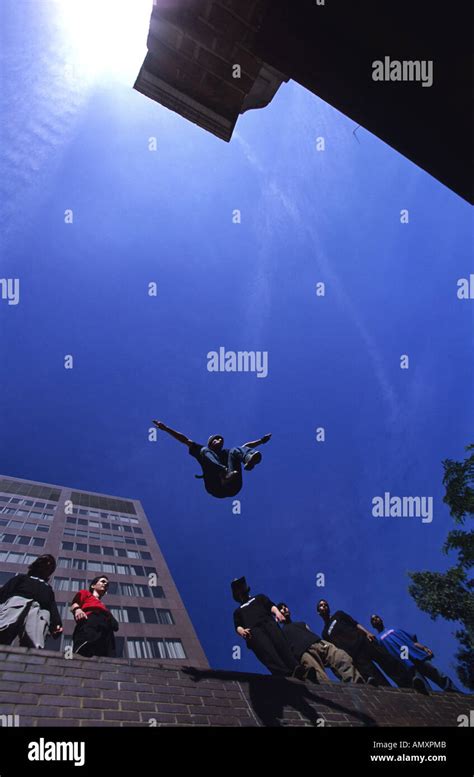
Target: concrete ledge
[{"x": 41, "y": 688}]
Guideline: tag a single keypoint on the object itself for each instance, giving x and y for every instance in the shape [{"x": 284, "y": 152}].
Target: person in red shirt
[{"x": 95, "y": 625}]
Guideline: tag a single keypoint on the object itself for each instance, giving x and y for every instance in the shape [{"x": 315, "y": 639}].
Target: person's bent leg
[
  {"x": 364, "y": 664},
  {"x": 437, "y": 677},
  {"x": 264, "y": 648},
  {"x": 396, "y": 670},
  {"x": 212, "y": 461},
  {"x": 312, "y": 660},
  {"x": 340, "y": 662},
  {"x": 236, "y": 458},
  {"x": 281, "y": 645}
]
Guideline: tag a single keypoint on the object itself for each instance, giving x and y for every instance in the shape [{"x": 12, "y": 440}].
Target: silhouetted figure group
[
  {"x": 28, "y": 612},
  {"x": 291, "y": 649}
]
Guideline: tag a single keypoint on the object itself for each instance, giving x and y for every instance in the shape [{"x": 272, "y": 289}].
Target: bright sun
[{"x": 104, "y": 38}]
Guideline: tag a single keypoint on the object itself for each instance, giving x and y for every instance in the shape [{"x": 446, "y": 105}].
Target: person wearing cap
[
  {"x": 28, "y": 609},
  {"x": 95, "y": 625},
  {"x": 254, "y": 621},
  {"x": 403, "y": 645},
  {"x": 316, "y": 653},
  {"x": 221, "y": 467}
]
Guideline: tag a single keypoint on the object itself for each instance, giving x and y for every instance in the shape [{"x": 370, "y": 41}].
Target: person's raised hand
[
  {"x": 371, "y": 637},
  {"x": 280, "y": 618},
  {"x": 79, "y": 614},
  {"x": 159, "y": 424}
]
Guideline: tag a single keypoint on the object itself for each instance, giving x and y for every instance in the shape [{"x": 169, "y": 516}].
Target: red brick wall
[{"x": 43, "y": 688}]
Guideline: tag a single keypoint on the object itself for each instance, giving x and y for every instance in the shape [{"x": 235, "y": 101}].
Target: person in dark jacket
[
  {"x": 254, "y": 621},
  {"x": 95, "y": 625},
  {"x": 344, "y": 632},
  {"x": 418, "y": 657},
  {"x": 221, "y": 467},
  {"x": 28, "y": 609},
  {"x": 315, "y": 653}
]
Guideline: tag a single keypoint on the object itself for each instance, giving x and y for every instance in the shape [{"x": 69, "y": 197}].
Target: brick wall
[
  {"x": 45, "y": 689},
  {"x": 192, "y": 48}
]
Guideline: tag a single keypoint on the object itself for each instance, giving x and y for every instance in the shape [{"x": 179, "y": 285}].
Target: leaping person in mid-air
[{"x": 221, "y": 467}]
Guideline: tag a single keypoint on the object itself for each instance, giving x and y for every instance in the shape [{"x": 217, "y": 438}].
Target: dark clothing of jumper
[
  {"x": 94, "y": 635},
  {"x": 341, "y": 629},
  {"x": 266, "y": 639},
  {"x": 36, "y": 589},
  {"x": 214, "y": 464}
]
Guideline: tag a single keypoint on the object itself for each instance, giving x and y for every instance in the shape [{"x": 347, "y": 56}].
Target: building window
[
  {"x": 94, "y": 566},
  {"x": 81, "y": 547},
  {"x": 60, "y": 584},
  {"x": 132, "y": 614},
  {"x": 155, "y": 648},
  {"x": 67, "y": 546},
  {"x": 8, "y": 538},
  {"x": 164, "y": 617},
  {"x": 145, "y": 555},
  {"x": 21, "y": 540},
  {"x": 94, "y": 548},
  {"x": 38, "y": 541},
  {"x": 142, "y": 590},
  {"x": 15, "y": 558}
]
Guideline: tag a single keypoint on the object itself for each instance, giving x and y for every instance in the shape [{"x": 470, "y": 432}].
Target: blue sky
[{"x": 140, "y": 216}]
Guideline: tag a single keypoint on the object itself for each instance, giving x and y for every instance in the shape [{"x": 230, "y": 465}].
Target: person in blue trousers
[{"x": 221, "y": 467}]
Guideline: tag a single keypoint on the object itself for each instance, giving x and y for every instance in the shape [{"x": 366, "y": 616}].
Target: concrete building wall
[{"x": 68, "y": 515}]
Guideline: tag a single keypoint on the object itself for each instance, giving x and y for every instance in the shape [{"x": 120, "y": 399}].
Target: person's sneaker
[
  {"x": 419, "y": 685},
  {"x": 252, "y": 459}
]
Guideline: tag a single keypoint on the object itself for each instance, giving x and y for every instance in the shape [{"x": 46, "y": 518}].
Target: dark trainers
[
  {"x": 251, "y": 460},
  {"x": 419, "y": 685}
]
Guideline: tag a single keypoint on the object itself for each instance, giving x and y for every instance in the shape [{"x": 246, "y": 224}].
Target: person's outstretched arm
[
  {"x": 256, "y": 443},
  {"x": 177, "y": 435}
]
